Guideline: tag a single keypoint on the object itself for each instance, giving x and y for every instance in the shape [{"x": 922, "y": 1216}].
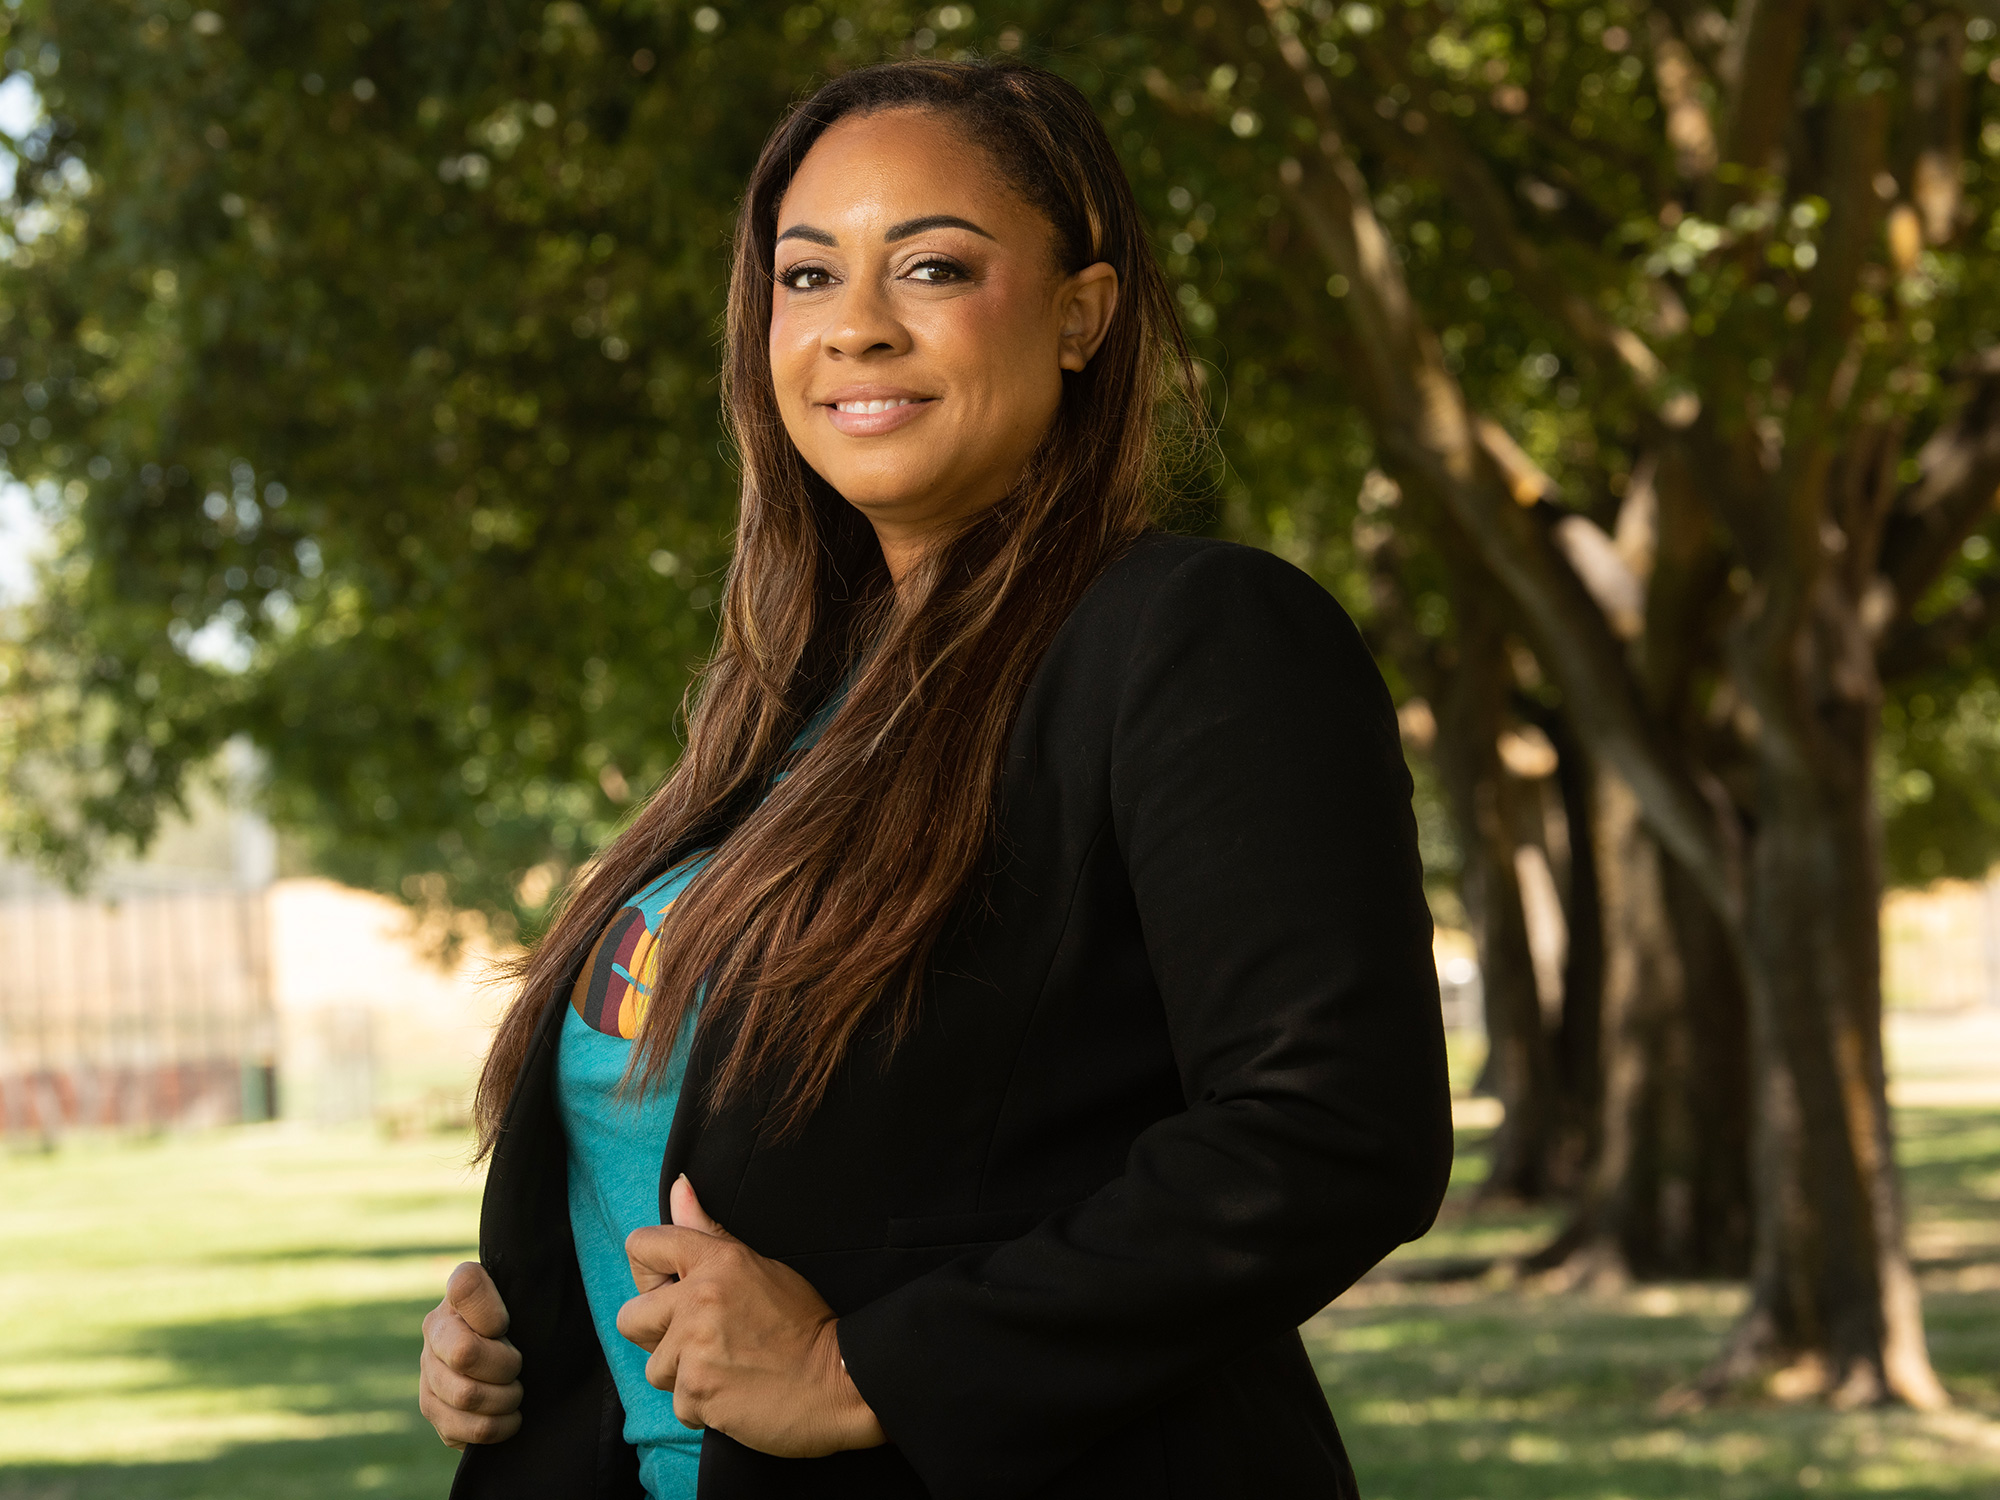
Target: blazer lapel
[
  {"x": 712, "y": 1148},
  {"x": 524, "y": 1239}
]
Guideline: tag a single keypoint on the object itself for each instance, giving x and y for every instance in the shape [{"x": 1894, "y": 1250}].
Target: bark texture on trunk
[
  {"x": 1579, "y": 1038},
  {"x": 1667, "y": 1190},
  {"x": 1832, "y": 1286},
  {"x": 1714, "y": 1101}
]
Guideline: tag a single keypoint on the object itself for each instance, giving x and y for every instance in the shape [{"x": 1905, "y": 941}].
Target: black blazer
[{"x": 1179, "y": 1080}]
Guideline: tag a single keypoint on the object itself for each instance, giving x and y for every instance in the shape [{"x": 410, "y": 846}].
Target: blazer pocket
[{"x": 989, "y": 1228}]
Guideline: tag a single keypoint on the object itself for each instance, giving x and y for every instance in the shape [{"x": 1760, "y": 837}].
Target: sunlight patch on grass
[{"x": 189, "y": 1426}]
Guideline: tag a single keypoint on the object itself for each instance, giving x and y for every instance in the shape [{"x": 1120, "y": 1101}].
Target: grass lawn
[
  {"x": 1499, "y": 1391},
  {"x": 231, "y": 1316},
  {"x": 235, "y": 1315}
]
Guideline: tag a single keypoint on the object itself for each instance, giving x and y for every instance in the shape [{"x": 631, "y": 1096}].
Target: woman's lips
[{"x": 872, "y": 418}]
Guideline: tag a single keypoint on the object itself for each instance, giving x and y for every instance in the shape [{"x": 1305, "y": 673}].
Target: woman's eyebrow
[
  {"x": 895, "y": 232},
  {"x": 807, "y": 232},
  {"x": 909, "y": 227}
]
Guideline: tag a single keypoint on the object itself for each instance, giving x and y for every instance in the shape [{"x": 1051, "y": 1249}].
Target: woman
[{"x": 1027, "y": 961}]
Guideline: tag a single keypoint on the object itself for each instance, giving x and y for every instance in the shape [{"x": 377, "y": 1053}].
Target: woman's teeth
[{"x": 861, "y": 408}]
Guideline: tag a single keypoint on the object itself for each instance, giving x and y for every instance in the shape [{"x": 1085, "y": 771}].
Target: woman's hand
[
  {"x": 744, "y": 1343},
  {"x": 467, "y": 1377}
]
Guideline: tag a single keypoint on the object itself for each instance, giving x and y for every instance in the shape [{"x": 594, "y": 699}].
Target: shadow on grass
[
  {"x": 1510, "y": 1394},
  {"x": 384, "y": 1466},
  {"x": 1499, "y": 1390},
  {"x": 1949, "y": 1157},
  {"x": 342, "y": 1368}
]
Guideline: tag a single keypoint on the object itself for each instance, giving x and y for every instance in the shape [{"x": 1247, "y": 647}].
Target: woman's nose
[{"x": 864, "y": 322}]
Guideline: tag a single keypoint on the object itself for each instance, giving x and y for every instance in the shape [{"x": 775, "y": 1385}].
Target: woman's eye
[
  {"x": 805, "y": 278},
  {"x": 936, "y": 271}
]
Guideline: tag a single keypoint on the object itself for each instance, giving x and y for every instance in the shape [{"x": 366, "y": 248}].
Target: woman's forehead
[{"x": 896, "y": 166}]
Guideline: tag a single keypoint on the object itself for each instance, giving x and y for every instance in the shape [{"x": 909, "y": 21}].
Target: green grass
[
  {"x": 231, "y": 1315},
  {"x": 1499, "y": 1390},
  {"x": 235, "y": 1315}
]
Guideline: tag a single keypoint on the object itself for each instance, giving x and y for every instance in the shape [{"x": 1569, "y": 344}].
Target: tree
[
  {"x": 383, "y": 343},
  {"x": 1720, "y": 265},
  {"x": 366, "y": 348}
]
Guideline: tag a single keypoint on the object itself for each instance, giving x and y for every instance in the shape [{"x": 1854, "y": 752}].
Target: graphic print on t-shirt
[{"x": 616, "y": 984}]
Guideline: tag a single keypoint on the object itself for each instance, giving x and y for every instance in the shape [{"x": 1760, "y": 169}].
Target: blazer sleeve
[{"x": 1262, "y": 806}]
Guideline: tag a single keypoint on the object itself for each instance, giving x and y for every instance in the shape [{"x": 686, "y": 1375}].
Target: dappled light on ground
[
  {"x": 236, "y": 1314},
  {"x": 1505, "y": 1388},
  {"x": 224, "y": 1316}
]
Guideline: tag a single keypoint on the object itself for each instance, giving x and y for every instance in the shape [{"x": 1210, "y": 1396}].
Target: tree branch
[
  {"x": 1759, "y": 63},
  {"x": 1678, "y": 417},
  {"x": 1477, "y": 194},
  {"x": 1817, "y": 422},
  {"x": 1430, "y": 439},
  {"x": 1687, "y": 587},
  {"x": 1957, "y": 486},
  {"x": 1914, "y": 648},
  {"x": 1678, "y": 78},
  {"x": 1937, "y": 107}
]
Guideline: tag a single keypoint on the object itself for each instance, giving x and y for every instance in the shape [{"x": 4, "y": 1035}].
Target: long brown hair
[{"x": 820, "y": 906}]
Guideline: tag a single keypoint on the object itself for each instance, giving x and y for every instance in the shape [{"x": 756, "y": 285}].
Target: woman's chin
[{"x": 898, "y": 500}]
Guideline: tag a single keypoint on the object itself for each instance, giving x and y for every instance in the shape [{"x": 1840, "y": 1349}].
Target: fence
[
  {"x": 1941, "y": 946},
  {"x": 139, "y": 1007}
]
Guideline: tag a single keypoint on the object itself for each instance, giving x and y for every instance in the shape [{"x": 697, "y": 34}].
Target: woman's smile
[{"x": 869, "y": 411}]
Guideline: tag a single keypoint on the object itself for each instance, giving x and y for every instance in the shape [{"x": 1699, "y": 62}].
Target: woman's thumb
[
  {"x": 475, "y": 1298},
  {"x": 685, "y": 1208}
]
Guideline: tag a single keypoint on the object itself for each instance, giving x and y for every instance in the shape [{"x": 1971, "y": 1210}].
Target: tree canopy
[{"x": 365, "y": 354}]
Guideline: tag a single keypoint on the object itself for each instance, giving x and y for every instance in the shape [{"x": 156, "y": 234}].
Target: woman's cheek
[
  {"x": 999, "y": 320},
  {"x": 791, "y": 353},
  {"x": 793, "y": 339},
  {"x": 1022, "y": 330},
  {"x": 993, "y": 352}
]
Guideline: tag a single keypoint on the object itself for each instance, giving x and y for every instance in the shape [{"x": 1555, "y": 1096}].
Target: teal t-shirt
[
  {"x": 617, "y": 1145},
  {"x": 615, "y": 1149}
]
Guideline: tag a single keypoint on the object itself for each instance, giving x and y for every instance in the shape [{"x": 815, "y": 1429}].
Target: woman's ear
[{"x": 1088, "y": 300}]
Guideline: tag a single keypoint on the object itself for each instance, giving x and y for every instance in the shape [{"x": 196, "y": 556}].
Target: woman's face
[{"x": 920, "y": 324}]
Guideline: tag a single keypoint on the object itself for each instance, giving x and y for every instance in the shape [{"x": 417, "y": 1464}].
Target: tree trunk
[
  {"x": 1667, "y": 1191},
  {"x": 1520, "y": 1061},
  {"x": 1579, "y": 1038},
  {"x": 1711, "y": 1170},
  {"x": 1833, "y": 1293}
]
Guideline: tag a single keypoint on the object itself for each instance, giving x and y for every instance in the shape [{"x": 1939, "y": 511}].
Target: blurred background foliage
[{"x": 361, "y": 356}]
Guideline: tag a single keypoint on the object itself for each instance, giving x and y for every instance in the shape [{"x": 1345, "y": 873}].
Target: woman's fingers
[
  {"x": 687, "y": 1410},
  {"x": 465, "y": 1411},
  {"x": 663, "y": 1253},
  {"x": 467, "y": 1385},
  {"x": 663, "y": 1373},
  {"x": 457, "y": 1428},
  {"x": 462, "y": 1393},
  {"x": 745, "y": 1344},
  {"x": 645, "y": 1319},
  {"x": 453, "y": 1343}
]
